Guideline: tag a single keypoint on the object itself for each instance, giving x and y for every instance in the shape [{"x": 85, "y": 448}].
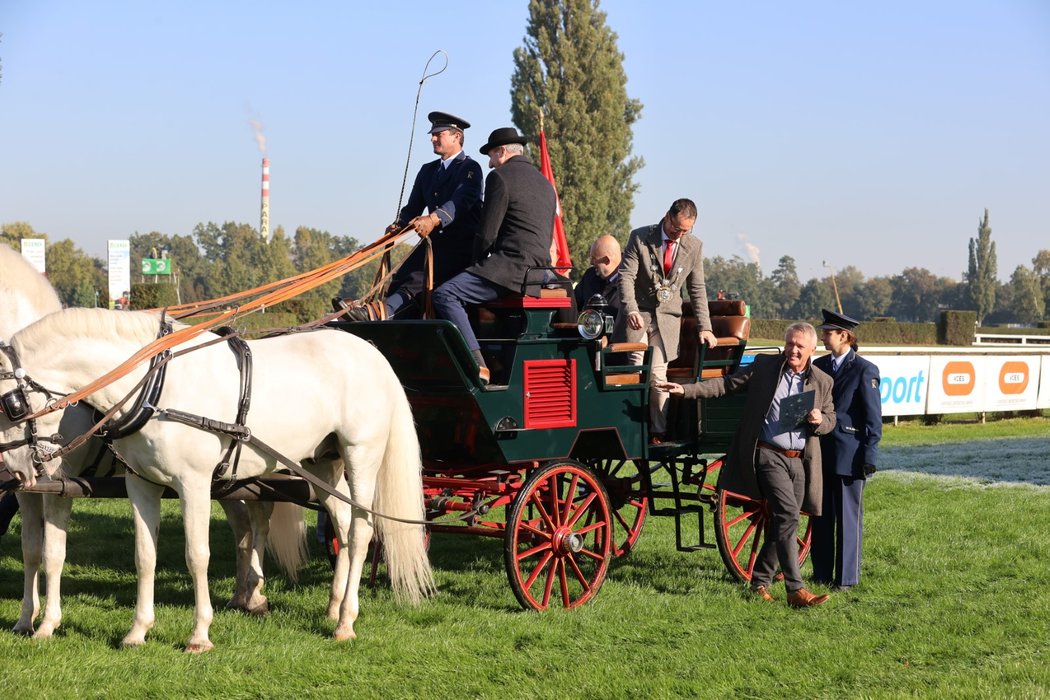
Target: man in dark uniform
[
  {"x": 516, "y": 228},
  {"x": 603, "y": 276},
  {"x": 850, "y": 451},
  {"x": 450, "y": 189},
  {"x": 773, "y": 457}
]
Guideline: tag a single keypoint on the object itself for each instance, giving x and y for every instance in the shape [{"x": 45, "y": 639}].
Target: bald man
[{"x": 603, "y": 276}]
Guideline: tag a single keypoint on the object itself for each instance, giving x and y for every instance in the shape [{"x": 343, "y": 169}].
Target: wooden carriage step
[
  {"x": 628, "y": 347},
  {"x": 622, "y": 379}
]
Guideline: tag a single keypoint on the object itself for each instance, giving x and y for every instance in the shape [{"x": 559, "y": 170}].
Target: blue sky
[{"x": 867, "y": 134}]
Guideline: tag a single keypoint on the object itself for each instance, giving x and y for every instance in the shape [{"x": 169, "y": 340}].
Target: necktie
[{"x": 668, "y": 257}]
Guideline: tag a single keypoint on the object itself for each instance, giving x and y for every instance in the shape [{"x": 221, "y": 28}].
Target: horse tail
[
  {"x": 287, "y": 540},
  {"x": 399, "y": 492}
]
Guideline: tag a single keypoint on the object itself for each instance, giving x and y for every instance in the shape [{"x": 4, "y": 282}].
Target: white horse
[
  {"x": 309, "y": 402},
  {"x": 25, "y": 297}
]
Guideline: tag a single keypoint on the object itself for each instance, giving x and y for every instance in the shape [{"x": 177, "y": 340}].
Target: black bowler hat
[
  {"x": 501, "y": 137},
  {"x": 439, "y": 121},
  {"x": 837, "y": 322}
]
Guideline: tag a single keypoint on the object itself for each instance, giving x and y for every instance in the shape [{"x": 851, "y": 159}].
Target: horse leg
[
  {"x": 31, "y": 506},
  {"x": 56, "y": 525},
  {"x": 363, "y": 462},
  {"x": 145, "y": 507},
  {"x": 196, "y": 519},
  {"x": 238, "y": 518},
  {"x": 255, "y": 602},
  {"x": 340, "y": 515}
]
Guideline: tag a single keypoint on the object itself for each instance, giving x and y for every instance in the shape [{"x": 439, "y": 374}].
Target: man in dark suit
[
  {"x": 659, "y": 262},
  {"x": 851, "y": 452},
  {"x": 603, "y": 276},
  {"x": 516, "y": 228},
  {"x": 450, "y": 190},
  {"x": 775, "y": 458}
]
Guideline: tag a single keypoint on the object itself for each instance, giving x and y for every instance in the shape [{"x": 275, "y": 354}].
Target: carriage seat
[{"x": 731, "y": 327}]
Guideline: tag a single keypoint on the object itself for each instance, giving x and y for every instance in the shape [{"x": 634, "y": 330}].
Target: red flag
[{"x": 563, "y": 260}]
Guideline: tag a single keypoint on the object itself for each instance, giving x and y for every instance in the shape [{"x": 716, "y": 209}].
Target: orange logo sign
[
  {"x": 958, "y": 378},
  {"x": 1013, "y": 377}
]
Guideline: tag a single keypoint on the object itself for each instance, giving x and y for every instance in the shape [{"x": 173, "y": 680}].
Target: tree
[
  {"x": 75, "y": 275},
  {"x": 981, "y": 276},
  {"x": 786, "y": 287},
  {"x": 816, "y": 294},
  {"x": 13, "y": 233},
  {"x": 872, "y": 298},
  {"x": 740, "y": 280},
  {"x": 571, "y": 70},
  {"x": 914, "y": 295},
  {"x": 1025, "y": 295},
  {"x": 1041, "y": 268}
]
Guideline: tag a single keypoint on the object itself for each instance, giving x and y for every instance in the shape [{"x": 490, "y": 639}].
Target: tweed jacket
[
  {"x": 638, "y": 283},
  {"x": 517, "y": 223},
  {"x": 454, "y": 194},
  {"x": 858, "y": 405},
  {"x": 760, "y": 379}
]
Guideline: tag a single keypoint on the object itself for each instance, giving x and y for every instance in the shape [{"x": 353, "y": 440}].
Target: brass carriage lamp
[{"x": 595, "y": 321}]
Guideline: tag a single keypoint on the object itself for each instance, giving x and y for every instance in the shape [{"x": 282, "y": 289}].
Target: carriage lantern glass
[{"x": 594, "y": 322}]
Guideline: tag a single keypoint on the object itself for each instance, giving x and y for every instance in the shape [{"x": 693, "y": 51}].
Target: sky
[{"x": 865, "y": 134}]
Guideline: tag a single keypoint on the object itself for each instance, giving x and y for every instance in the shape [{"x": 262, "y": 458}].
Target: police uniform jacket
[
  {"x": 454, "y": 194},
  {"x": 760, "y": 379},
  {"x": 642, "y": 270},
  {"x": 517, "y": 224},
  {"x": 858, "y": 404}
]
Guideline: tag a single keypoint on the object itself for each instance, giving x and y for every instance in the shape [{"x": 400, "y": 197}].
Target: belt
[{"x": 793, "y": 454}]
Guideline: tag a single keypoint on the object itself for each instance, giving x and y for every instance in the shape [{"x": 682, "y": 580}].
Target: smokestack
[{"x": 264, "y": 219}]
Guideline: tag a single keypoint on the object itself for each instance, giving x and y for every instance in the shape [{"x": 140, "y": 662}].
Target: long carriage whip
[{"x": 415, "y": 113}]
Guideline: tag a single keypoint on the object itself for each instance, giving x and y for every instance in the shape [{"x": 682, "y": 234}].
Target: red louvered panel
[{"x": 550, "y": 393}]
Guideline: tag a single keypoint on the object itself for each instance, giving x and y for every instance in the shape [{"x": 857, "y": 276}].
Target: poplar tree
[
  {"x": 981, "y": 276},
  {"x": 570, "y": 70}
]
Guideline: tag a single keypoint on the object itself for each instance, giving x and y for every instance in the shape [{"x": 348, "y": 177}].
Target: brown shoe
[
  {"x": 804, "y": 599},
  {"x": 657, "y": 439},
  {"x": 483, "y": 375},
  {"x": 763, "y": 593}
]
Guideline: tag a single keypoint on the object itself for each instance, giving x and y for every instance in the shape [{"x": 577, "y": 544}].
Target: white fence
[{"x": 994, "y": 339}]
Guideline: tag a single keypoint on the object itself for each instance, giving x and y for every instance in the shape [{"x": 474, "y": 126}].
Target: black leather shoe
[
  {"x": 358, "y": 313},
  {"x": 339, "y": 304}
]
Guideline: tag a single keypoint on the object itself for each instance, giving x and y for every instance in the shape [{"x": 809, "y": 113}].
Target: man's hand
[
  {"x": 670, "y": 387},
  {"x": 424, "y": 224},
  {"x": 394, "y": 227},
  {"x": 708, "y": 338},
  {"x": 814, "y": 417},
  {"x": 634, "y": 321}
]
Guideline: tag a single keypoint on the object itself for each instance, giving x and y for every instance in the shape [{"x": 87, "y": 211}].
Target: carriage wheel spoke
[
  {"x": 579, "y": 574},
  {"x": 539, "y": 570},
  {"x": 743, "y": 539},
  {"x": 583, "y": 508},
  {"x": 569, "y": 495},
  {"x": 563, "y": 579}
]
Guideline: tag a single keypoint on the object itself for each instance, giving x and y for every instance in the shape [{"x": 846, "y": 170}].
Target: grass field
[{"x": 953, "y": 603}]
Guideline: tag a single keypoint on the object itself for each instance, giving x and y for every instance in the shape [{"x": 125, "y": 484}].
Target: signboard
[
  {"x": 1011, "y": 383},
  {"x": 904, "y": 383},
  {"x": 119, "y": 270},
  {"x": 156, "y": 266},
  {"x": 33, "y": 251},
  {"x": 1044, "y": 384},
  {"x": 958, "y": 383}
]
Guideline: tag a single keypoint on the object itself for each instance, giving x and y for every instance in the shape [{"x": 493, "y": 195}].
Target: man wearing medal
[{"x": 659, "y": 262}]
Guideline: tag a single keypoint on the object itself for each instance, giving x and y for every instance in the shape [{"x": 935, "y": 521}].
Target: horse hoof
[
  {"x": 200, "y": 647},
  {"x": 130, "y": 642},
  {"x": 43, "y": 633},
  {"x": 22, "y": 630},
  {"x": 260, "y": 610},
  {"x": 343, "y": 635}
]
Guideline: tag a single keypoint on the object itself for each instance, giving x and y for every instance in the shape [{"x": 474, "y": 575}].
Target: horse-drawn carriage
[{"x": 553, "y": 455}]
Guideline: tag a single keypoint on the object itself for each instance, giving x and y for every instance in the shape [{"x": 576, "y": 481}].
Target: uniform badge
[{"x": 875, "y": 383}]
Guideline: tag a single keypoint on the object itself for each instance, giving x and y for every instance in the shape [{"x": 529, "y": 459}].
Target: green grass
[
  {"x": 953, "y": 603},
  {"x": 963, "y": 427}
]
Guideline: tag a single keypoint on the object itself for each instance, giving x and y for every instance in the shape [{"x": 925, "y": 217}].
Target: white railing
[{"x": 1007, "y": 339}]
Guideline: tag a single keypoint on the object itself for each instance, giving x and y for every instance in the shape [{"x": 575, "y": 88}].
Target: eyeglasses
[{"x": 674, "y": 229}]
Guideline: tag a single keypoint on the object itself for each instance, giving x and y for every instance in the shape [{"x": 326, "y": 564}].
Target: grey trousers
[{"x": 782, "y": 481}]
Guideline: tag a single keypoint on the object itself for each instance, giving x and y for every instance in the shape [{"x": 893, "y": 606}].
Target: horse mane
[{"x": 76, "y": 324}]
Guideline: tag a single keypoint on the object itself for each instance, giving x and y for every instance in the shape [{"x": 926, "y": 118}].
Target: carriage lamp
[{"x": 595, "y": 322}]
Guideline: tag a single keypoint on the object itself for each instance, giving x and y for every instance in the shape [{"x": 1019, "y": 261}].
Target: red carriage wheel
[
  {"x": 740, "y": 524},
  {"x": 629, "y": 505},
  {"x": 558, "y": 540}
]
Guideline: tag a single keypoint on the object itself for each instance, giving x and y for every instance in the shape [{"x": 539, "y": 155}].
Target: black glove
[{"x": 869, "y": 469}]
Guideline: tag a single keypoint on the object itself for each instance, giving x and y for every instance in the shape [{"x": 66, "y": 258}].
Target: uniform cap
[
  {"x": 439, "y": 121},
  {"x": 837, "y": 322}
]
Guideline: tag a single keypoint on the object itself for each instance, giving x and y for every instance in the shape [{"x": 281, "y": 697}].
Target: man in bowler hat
[
  {"x": 850, "y": 452},
  {"x": 449, "y": 188},
  {"x": 517, "y": 224}
]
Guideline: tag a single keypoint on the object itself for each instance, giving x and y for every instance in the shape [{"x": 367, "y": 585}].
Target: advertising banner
[
  {"x": 119, "y": 271},
  {"x": 957, "y": 383},
  {"x": 904, "y": 383},
  {"x": 33, "y": 250},
  {"x": 1011, "y": 383}
]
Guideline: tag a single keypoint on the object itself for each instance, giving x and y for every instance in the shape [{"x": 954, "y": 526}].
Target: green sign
[{"x": 156, "y": 266}]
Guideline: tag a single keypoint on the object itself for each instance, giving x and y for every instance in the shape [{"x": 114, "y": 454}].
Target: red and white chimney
[{"x": 264, "y": 219}]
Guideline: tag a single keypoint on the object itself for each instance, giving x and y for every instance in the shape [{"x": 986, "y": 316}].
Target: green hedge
[
  {"x": 877, "y": 332},
  {"x": 153, "y": 296},
  {"x": 956, "y": 327},
  {"x": 1003, "y": 330}
]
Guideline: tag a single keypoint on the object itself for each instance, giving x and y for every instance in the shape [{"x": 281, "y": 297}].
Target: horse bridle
[{"x": 15, "y": 405}]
